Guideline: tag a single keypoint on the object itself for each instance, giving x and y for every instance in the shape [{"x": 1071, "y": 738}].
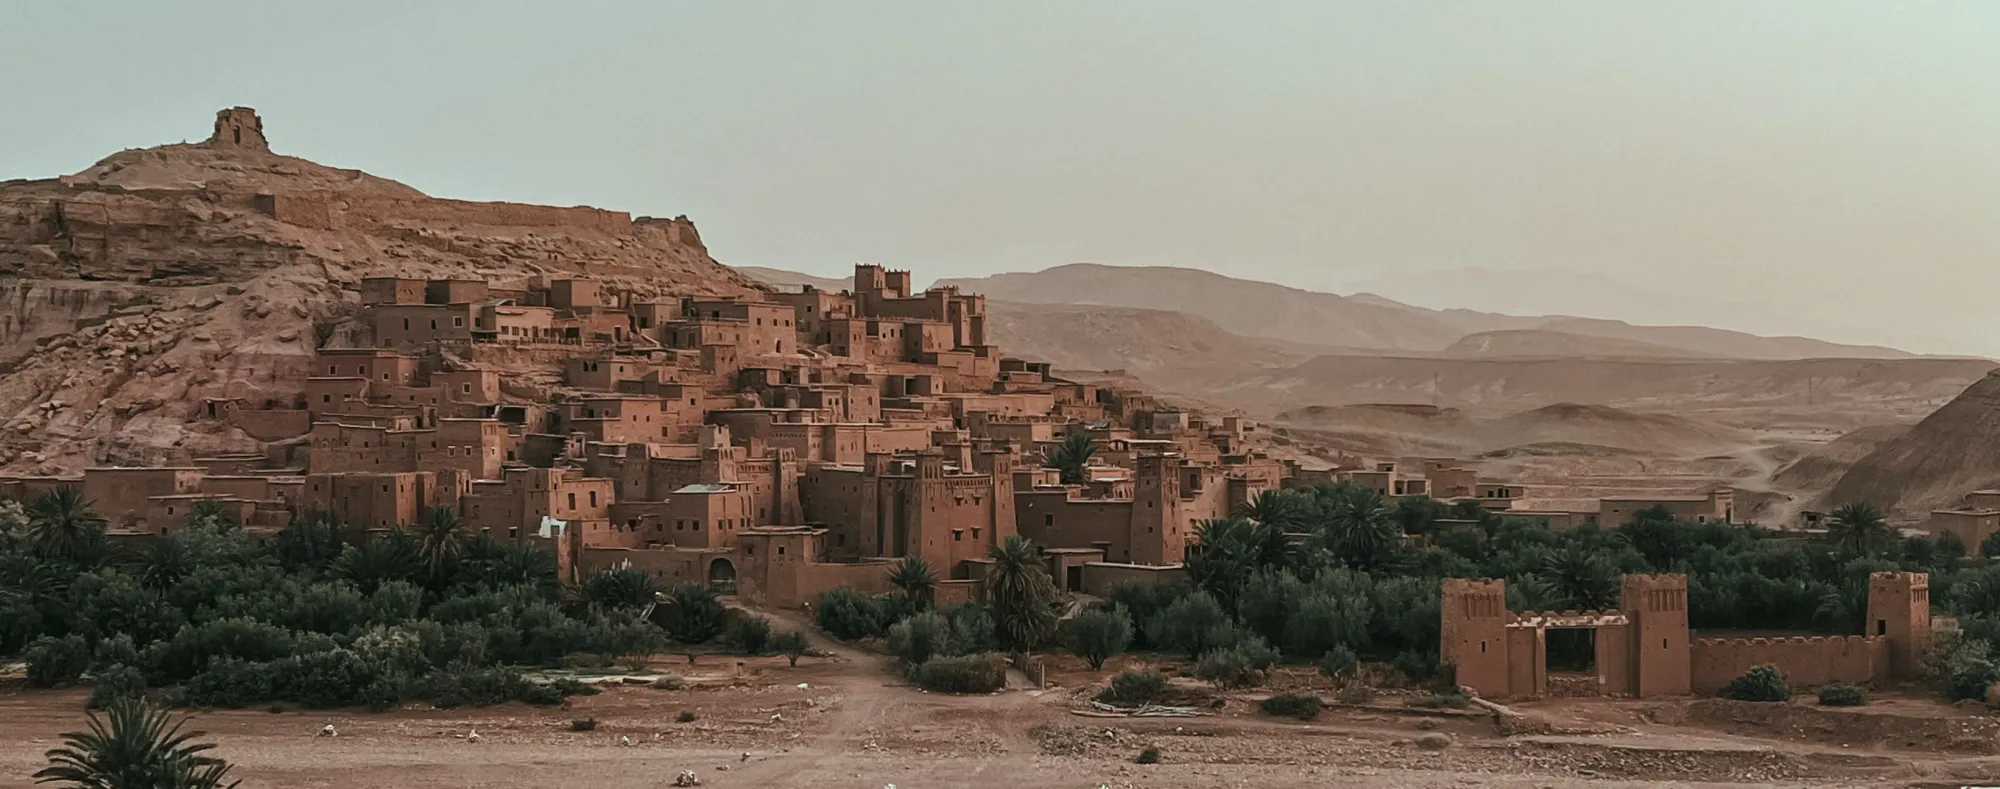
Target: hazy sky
[{"x": 1833, "y": 167}]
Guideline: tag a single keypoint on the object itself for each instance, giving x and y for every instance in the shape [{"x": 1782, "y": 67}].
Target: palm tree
[
  {"x": 210, "y": 512},
  {"x": 134, "y": 747},
  {"x": 310, "y": 540},
  {"x": 1022, "y": 595},
  {"x": 914, "y": 576},
  {"x": 167, "y": 563},
  {"x": 390, "y": 556},
  {"x": 1360, "y": 527},
  {"x": 440, "y": 540},
  {"x": 624, "y": 587},
  {"x": 1072, "y": 456},
  {"x": 1276, "y": 508},
  {"x": 1859, "y": 529},
  {"x": 61, "y": 525}
]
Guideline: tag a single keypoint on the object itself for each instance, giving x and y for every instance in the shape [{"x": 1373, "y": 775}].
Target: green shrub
[
  {"x": 921, "y": 637},
  {"x": 1238, "y": 666},
  {"x": 539, "y": 695},
  {"x": 1355, "y": 694},
  {"x": 686, "y": 716},
  {"x": 1151, "y": 755},
  {"x": 1452, "y": 700},
  {"x": 1291, "y": 705},
  {"x": 1134, "y": 687},
  {"x": 479, "y": 687},
  {"x": 1195, "y": 625},
  {"x": 335, "y": 678},
  {"x": 982, "y": 673},
  {"x": 114, "y": 684},
  {"x": 792, "y": 644},
  {"x": 848, "y": 614},
  {"x": 117, "y": 650},
  {"x": 752, "y": 634},
  {"x": 1761, "y": 683},
  {"x": 232, "y": 683},
  {"x": 1097, "y": 635},
  {"x": 57, "y": 662},
  {"x": 1842, "y": 696},
  {"x": 583, "y": 724},
  {"x": 1417, "y": 666},
  {"x": 1338, "y": 663},
  {"x": 1968, "y": 674},
  {"x": 569, "y": 686}
]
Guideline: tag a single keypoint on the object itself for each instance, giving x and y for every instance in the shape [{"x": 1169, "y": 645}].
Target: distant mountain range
[
  {"x": 1262, "y": 309},
  {"x": 1269, "y": 348}
]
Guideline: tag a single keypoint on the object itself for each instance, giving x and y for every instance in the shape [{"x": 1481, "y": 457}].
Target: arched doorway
[{"x": 722, "y": 576}]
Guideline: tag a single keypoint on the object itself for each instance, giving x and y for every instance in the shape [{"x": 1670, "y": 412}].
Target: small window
[
  {"x": 1049, "y": 520},
  {"x": 781, "y": 550},
  {"x": 572, "y": 501}
]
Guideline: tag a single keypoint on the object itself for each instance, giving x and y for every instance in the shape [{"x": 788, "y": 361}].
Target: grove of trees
[
  {"x": 216, "y": 616},
  {"x": 1335, "y": 574}
]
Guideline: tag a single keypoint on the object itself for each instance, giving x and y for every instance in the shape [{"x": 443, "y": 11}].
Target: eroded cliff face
[{"x": 158, "y": 279}]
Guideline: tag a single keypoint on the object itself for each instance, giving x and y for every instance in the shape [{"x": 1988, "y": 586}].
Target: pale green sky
[{"x": 1821, "y": 167}]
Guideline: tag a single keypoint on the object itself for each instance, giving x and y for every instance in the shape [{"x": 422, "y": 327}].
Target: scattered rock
[{"x": 1434, "y": 741}]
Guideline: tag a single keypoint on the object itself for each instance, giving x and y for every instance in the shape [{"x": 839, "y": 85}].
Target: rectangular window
[
  {"x": 1048, "y": 520},
  {"x": 572, "y": 501}
]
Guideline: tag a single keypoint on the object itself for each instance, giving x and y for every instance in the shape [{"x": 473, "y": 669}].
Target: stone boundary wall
[
  {"x": 329, "y": 212},
  {"x": 1805, "y": 661}
]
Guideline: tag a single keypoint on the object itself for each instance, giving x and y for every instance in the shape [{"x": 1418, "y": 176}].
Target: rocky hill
[
  {"x": 163, "y": 277},
  {"x": 1952, "y": 452},
  {"x": 1262, "y": 309}
]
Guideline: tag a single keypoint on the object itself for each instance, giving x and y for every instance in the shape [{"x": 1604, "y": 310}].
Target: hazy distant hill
[
  {"x": 1142, "y": 342},
  {"x": 1529, "y": 343},
  {"x": 793, "y": 279},
  {"x": 1262, "y": 309}
]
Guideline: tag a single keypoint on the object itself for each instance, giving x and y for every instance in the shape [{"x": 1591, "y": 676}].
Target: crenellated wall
[{"x": 1805, "y": 661}]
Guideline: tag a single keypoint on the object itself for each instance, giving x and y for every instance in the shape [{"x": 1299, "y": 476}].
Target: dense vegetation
[
  {"x": 1339, "y": 574},
  {"x": 216, "y": 616}
]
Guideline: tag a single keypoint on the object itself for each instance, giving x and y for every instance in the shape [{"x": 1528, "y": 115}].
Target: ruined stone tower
[{"x": 239, "y": 127}]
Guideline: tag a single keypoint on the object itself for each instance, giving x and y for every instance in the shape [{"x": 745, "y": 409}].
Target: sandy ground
[{"x": 856, "y": 725}]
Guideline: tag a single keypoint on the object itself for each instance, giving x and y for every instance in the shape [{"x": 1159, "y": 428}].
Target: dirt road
[{"x": 855, "y": 724}]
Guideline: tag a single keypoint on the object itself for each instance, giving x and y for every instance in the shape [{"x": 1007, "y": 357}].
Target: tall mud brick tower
[
  {"x": 1662, "y": 650},
  {"x": 1473, "y": 633},
  {"x": 1899, "y": 609}
]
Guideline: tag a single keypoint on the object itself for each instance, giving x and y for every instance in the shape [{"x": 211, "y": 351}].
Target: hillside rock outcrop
[{"x": 160, "y": 278}]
